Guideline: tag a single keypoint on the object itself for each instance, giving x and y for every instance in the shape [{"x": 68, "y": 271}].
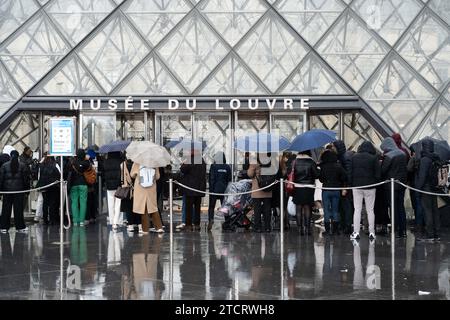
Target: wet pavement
[{"x": 100, "y": 264}]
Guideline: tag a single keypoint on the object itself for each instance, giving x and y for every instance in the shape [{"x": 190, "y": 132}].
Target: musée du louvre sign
[{"x": 190, "y": 104}]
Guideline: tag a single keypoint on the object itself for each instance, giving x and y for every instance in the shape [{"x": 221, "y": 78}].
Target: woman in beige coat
[{"x": 145, "y": 201}]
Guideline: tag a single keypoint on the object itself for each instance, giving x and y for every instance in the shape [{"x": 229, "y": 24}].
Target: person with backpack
[
  {"x": 78, "y": 186},
  {"x": 145, "y": 201},
  {"x": 393, "y": 165},
  {"x": 48, "y": 173},
  {"x": 219, "y": 177},
  {"x": 332, "y": 175},
  {"x": 365, "y": 170},
  {"x": 14, "y": 176},
  {"x": 262, "y": 174},
  {"x": 427, "y": 180},
  {"x": 112, "y": 173}
]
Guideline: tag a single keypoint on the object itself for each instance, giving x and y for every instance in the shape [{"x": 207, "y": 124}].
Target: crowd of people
[{"x": 335, "y": 168}]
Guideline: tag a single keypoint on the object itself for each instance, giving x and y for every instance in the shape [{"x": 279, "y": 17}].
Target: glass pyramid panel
[
  {"x": 352, "y": 51},
  {"x": 151, "y": 78},
  {"x": 437, "y": 125},
  {"x": 232, "y": 78},
  {"x": 33, "y": 52},
  {"x": 357, "y": 130},
  {"x": 447, "y": 95},
  {"x": 312, "y": 77},
  {"x": 72, "y": 79},
  {"x": 311, "y": 18},
  {"x": 232, "y": 18},
  {"x": 113, "y": 52},
  {"x": 389, "y": 18},
  {"x": 192, "y": 51},
  {"x": 398, "y": 97},
  {"x": 42, "y": 2},
  {"x": 155, "y": 18},
  {"x": 8, "y": 91},
  {"x": 427, "y": 49},
  {"x": 442, "y": 8},
  {"x": 271, "y": 51},
  {"x": 76, "y": 18},
  {"x": 13, "y": 13}
]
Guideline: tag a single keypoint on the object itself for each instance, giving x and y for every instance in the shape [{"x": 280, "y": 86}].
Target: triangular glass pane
[
  {"x": 33, "y": 52},
  {"x": 352, "y": 50},
  {"x": 232, "y": 18},
  {"x": 192, "y": 51},
  {"x": 42, "y": 2},
  {"x": 155, "y": 18},
  {"x": 113, "y": 52},
  {"x": 389, "y": 18},
  {"x": 427, "y": 48},
  {"x": 447, "y": 95},
  {"x": 311, "y": 18},
  {"x": 398, "y": 97},
  {"x": 76, "y": 18},
  {"x": 437, "y": 125},
  {"x": 72, "y": 79},
  {"x": 312, "y": 77},
  {"x": 13, "y": 13},
  {"x": 272, "y": 52},
  {"x": 357, "y": 130},
  {"x": 442, "y": 8},
  {"x": 151, "y": 79},
  {"x": 8, "y": 91},
  {"x": 232, "y": 78}
]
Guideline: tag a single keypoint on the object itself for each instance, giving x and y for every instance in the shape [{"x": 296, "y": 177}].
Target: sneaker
[
  {"x": 4, "y": 230},
  {"x": 181, "y": 226},
  {"x": 354, "y": 236},
  {"x": 152, "y": 229},
  {"x": 141, "y": 231},
  {"x": 130, "y": 228},
  {"x": 372, "y": 236},
  {"x": 24, "y": 230},
  {"x": 37, "y": 219},
  {"x": 81, "y": 224},
  {"x": 161, "y": 230}
]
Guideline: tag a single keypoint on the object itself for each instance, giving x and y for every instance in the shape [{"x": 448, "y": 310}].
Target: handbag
[
  {"x": 290, "y": 187},
  {"x": 123, "y": 192}
]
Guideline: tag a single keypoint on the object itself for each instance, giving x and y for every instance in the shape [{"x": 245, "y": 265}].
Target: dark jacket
[
  {"x": 194, "y": 176},
  {"x": 332, "y": 174},
  {"x": 76, "y": 168},
  {"x": 4, "y": 158},
  {"x": 219, "y": 176},
  {"x": 344, "y": 155},
  {"x": 25, "y": 159},
  {"x": 427, "y": 157},
  {"x": 14, "y": 182},
  {"x": 394, "y": 162},
  {"x": 48, "y": 173},
  {"x": 365, "y": 166},
  {"x": 112, "y": 171},
  {"x": 306, "y": 171}
]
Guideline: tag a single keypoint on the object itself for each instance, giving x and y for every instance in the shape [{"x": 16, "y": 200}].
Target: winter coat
[
  {"x": 4, "y": 158},
  {"x": 48, "y": 173},
  {"x": 344, "y": 155},
  {"x": 14, "y": 182},
  {"x": 306, "y": 171},
  {"x": 193, "y": 176},
  {"x": 253, "y": 171},
  {"x": 112, "y": 172},
  {"x": 365, "y": 166},
  {"x": 76, "y": 168},
  {"x": 332, "y": 174},
  {"x": 427, "y": 157},
  {"x": 144, "y": 199},
  {"x": 394, "y": 162},
  {"x": 413, "y": 168},
  {"x": 219, "y": 176},
  {"x": 25, "y": 159}
]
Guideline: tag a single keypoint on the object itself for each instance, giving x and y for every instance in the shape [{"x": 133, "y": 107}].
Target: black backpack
[
  {"x": 266, "y": 180},
  {"x": 438, "y": 174}
]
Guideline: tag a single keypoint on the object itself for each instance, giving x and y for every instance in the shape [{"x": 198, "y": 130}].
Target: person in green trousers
[{"x": 78, "y": 187}]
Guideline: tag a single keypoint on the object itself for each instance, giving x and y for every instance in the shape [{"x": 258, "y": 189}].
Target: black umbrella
[{"x": 441, "y": 148}]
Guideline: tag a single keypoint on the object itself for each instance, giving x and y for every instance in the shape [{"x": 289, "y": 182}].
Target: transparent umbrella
[{"x": 148, "y": 154}]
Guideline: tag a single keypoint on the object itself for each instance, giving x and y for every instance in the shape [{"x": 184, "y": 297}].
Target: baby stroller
[{"x": 236, "y": 208}]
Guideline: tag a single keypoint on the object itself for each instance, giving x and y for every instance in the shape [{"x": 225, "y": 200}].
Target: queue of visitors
[{"x": 139, "y": 204}]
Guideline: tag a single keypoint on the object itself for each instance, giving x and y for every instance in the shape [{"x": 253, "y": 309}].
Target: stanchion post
[
  {"x": 282, "y": 236},
  {"x": 171, "y": 236},
  {"x": 61, "y": 224},
  {"x": 393, "y": 236}
]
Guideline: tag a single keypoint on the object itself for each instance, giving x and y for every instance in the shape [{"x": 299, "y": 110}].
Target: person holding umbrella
[{"x": 112, "y": 173}]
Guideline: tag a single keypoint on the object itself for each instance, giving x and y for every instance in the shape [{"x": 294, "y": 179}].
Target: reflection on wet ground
[{"x": 101, "y": 264}]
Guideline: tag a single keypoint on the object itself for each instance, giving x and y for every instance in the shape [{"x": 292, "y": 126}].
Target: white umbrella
[
  {"x": 148, "y": 154},
  {"x": 7, "y": 149}
]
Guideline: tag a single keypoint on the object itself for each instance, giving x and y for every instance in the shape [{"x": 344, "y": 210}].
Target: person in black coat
[
  {"x": 424, "y": 182},
  {"x": 14, "y": 176},
  {"x": 219, "y": 177},
  {"x": 346, "y": 201},
  {"x": 305, "y": 172},
  {"x": 48, "y": 173},
  {"x": 365, "y": 170},
  {"x": 394, "y": 165},
  {"x": 332, "y": 175},
  {"x": 193, "y": 176},
  {"x": 113, "y": 179}
]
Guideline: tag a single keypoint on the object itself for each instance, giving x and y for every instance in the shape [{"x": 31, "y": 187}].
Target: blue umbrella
[
  {"x": 261, "y": 142},
  {"x": 312, "y": 139},
  {"x": 115, "y": 146}
]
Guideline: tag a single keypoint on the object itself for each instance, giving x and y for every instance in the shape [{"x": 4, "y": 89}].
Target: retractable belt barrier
[
  {"x": 424, "y": 192},
  {"x": 30, "y": 190},
  {"x": 225, "y": 194}
]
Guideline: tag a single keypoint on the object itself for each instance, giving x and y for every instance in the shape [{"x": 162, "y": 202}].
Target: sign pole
[{"x": 61, "y": 223}]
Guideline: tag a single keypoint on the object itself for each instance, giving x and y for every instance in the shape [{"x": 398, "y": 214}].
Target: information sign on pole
[{"x": 62, "y": 136}]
